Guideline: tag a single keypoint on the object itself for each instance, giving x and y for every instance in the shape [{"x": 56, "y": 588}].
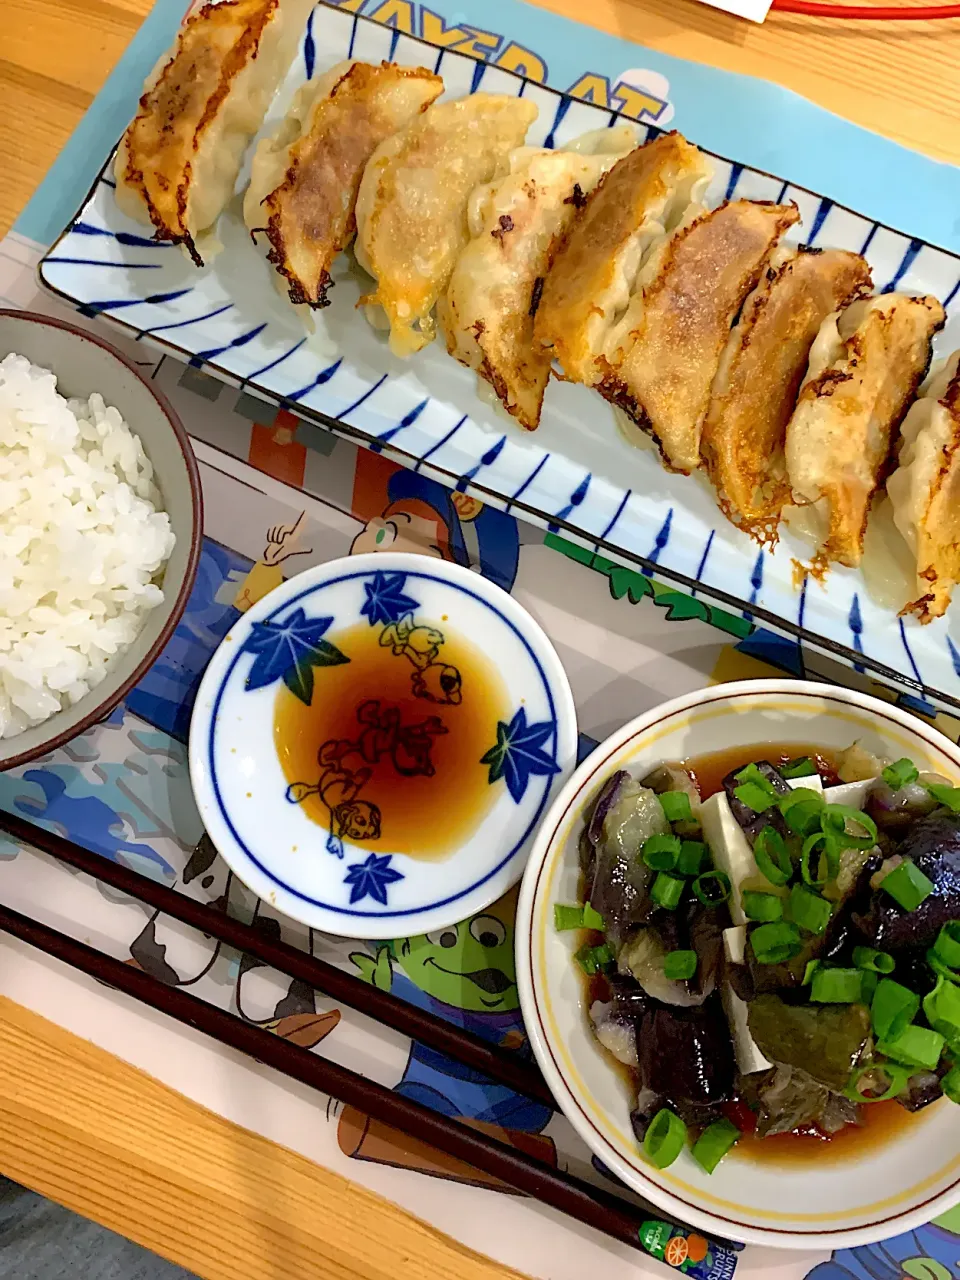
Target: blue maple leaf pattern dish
[{"x": 375, "y": 742}]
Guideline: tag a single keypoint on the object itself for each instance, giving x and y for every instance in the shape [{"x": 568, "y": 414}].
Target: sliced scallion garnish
[
  {"x": 809, "y": 971},
  {"x": 942, "y": 970},
  {"x": 800, "y": 767},
  {"x": 802, "y": 811},
  {"x": 868, "y": 985},
  {"x": 676, "y": 806},
  {"x": 896, "y": 1074},
  {"x": 947, "y": 945},
  {"x": 660, "y": 853},
  {"x": 592, "y": 959},
  {"x": 679, "y": 965},
  {"x": 691, "y": 857},
  {"x": 813, "y": 849},
  {"x": 712, "y": 888},
  {"x": 775, "y": 943},
  {"x": 665, "y": 1138},
  {"x": 772, "y": 856},
  {"x": 892, "y": 1009},
  {"x": 907, "y": 885},
  {"x": 592, "y": 919},
  {"x": 942, "y": 1009},
  {"x": 834, "y": 819},
  {"x": 667, "y": 890},
  {"x": 874, "y": 961},
  {"x": 809, "y": 910},
  {"x": 714, "y": 1143},
  {"x": 762, "y": 907},
  {"x": 950, "y": 1084},
  {"x": 754, "y": 796},
  {"x": 565, "y": 917},
  {"x": 836, "y": 986},
  {"x": 948, "y": 796},
  {"x": 915, "y": 1047},
  {"x": 900, "y": 774}
]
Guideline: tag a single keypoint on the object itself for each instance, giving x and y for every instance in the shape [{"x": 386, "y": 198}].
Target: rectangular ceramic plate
[{"x": 577, "y": 473}]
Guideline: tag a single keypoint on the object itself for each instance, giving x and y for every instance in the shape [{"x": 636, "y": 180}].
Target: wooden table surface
[{"x": 78, "y": 1124}]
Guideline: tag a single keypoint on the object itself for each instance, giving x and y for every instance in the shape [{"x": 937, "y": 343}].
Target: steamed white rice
[{"x": 83, "y": 540}]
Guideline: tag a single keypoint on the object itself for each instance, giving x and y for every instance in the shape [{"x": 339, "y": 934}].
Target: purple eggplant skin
[
  {"x": 920, "y": 1090},
  {"x": 686, "y": 1056},
  {"x": 933, "y": 844},
  {"x": 604, "y": 802},
  {"x": 753, "y": 823}
]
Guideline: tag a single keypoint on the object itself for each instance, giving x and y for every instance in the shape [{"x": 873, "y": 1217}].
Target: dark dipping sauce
[{"x": 881, "y": 1121}]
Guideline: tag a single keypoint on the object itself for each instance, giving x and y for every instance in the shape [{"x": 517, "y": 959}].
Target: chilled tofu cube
[
  {"x": 749, "y": 1058},
  {"x": 853, "y": 794}
]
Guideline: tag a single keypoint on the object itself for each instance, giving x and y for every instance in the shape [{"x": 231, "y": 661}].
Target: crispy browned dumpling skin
[
  {"x": 925, "y": 491},
  {"x": 178, "y": 161},
  {"x": 866, "y": 364},
  {"x": 594, "y": 271},
  {"x": 756, "y": 387},
  {"x": 662, "y": 361},
  {"x": 308, "y": 209}
]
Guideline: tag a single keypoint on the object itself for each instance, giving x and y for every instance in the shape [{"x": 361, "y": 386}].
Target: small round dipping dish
[
  {"x": 376, "y": 741},
  {"x": 911, "y": 1174}
]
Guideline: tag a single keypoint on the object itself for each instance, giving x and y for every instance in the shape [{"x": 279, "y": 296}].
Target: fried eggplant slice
[
  {"x": 177, "y": 163},
  {"x": 487, "y": 314},
  {"x": 865, "y": 367},
  {"x": 594, "y": 273},
  {"x": 925, "y": 490},
  {"x": 305, "y": 178},
  {"x": 412, "y": 204},
  {"x": 761, "y": 371},
  {"x": 663, "y": 356}
]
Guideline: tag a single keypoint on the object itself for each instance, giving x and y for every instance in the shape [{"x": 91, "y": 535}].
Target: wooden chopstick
[
  {"x": 589, "y": 1205},
  {"x": 499, "y": 1064}
]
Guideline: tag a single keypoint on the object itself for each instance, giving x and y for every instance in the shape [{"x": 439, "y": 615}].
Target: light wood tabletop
[{"x": 94, "y": 1133}]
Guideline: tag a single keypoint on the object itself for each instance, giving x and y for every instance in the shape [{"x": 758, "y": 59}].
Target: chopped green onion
[
  {"x": 950, "y": 1084},
  {"x": 947, "y": 945},
  {"x": 714, "y": 1143},
  {"x": 712, "y": 888},
  {"x": 754, "y": 797},
  {"x": 907, "y": 885},
  {"x": 834, "y": 819},
  {"x": 893, "y": 1008},
  {"x": 875, "y": 961},
  {"x": 942, "y": 1009},
  {"x": 917, "y": 1047},
  {"x": 660, "y": 852},
  {"x": 761, "y": 906},
  {"x": 801, "y": 767},
  {"x": 949, "y": 796},
  {"x": 665, "y": 1138},
  {"x": 676, "y": 806},
  {"x": 809, "y": 910},
  {"x": 592, "y": 919},
  {"x": 868, "y": 985},
  {"x": 667, "y": 890},
  {"x": 836, "y": 986},
  {"x": 941, "y": 969},
  {"x": 679, "y": 965},
  {"x": 592, "y": 959},
  {"x": 773, "y": 856},
  {"x": 774, "y": 943},
  {"x": 811, "y": 848},
  {"x": 691, "y": 858},
  {"x": 895, "y": 1073},
  {"x": 809, "y": 971},
  {"x": 900, "y": 774},
  {"x": 802, "y": 811},
  {"x": 753, "y": 773},
  {"x": 565, "y": 917}
]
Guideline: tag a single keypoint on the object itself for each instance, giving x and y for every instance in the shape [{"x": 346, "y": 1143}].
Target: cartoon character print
[
  {"x": 464, "y": 973},
  {"x": 266, "y": 574},
  {"x": 929, "y": 1253}
]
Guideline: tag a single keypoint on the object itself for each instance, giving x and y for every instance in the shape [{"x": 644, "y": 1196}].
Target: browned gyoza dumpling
[
  {"x": 412, "y": 205},
  {"x": 865, "y": 367},
  {"x": 925, "y": 489},
  {"x": 661, "y": 360},
  {"x": 516, "y": 221},
  {"x": 761, "y": 370},
  {"x": 178, "y": 161},
  {"x": 305, "y": 177},
  {"x": 594, "y": 273}
]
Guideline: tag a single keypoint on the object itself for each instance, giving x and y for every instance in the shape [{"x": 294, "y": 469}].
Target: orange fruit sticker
[
  {"x": 675, "y": 1254},
  {"x": 697, "y": 1248}
]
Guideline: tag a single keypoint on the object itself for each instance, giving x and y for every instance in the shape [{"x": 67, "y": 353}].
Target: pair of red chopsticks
[{"x": 901, "y": 13}]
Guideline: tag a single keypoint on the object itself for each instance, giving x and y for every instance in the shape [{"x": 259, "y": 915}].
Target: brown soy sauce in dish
[
  {"x": 388, "y": 751},
  {"x": 881, "y": 1121}
]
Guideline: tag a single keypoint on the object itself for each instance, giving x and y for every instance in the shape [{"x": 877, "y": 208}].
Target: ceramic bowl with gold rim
[{"x": 837, "y": 1195}]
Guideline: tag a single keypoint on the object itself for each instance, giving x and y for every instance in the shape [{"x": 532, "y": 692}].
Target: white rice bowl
[{"x": 83, "y": 542}]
